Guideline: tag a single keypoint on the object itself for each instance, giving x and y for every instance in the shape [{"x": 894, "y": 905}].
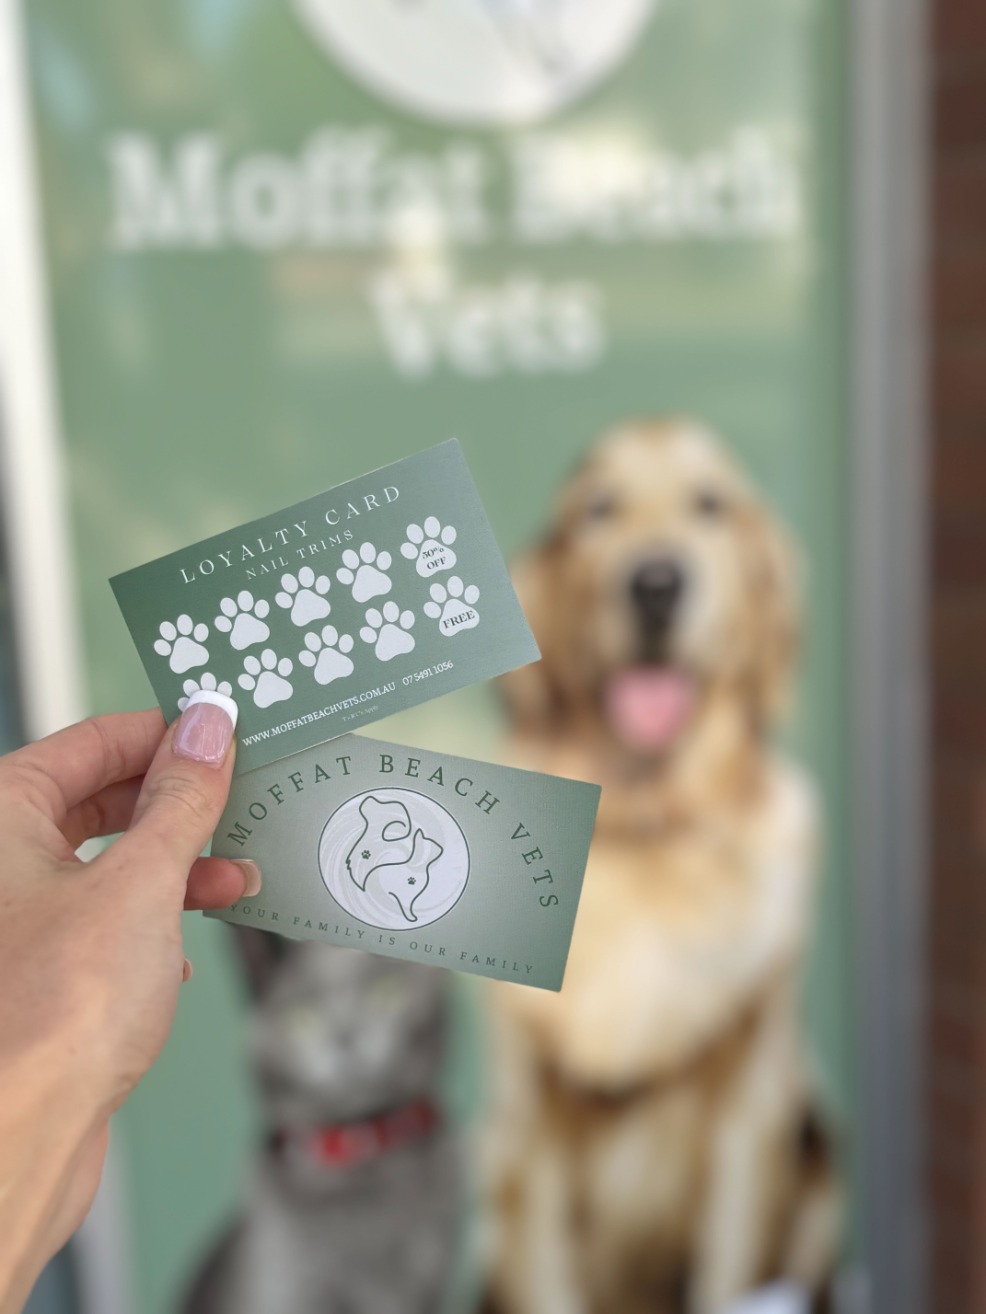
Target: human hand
[{"x": 91, "y": 953}]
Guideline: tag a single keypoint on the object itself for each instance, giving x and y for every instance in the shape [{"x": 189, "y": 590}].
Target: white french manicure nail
[
  {"x": 205, "y": 730},
  {"x": 217, "y": 699}
]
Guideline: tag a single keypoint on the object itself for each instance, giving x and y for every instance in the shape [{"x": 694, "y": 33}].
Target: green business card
[
  {"x": 415, "y": 855},
  {"x": 373, "y": 597}
]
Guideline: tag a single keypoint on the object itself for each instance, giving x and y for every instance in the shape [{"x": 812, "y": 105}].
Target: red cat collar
[{"x": 345, "y": 1144}]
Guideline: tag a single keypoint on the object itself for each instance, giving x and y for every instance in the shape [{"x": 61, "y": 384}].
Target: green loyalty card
[
  {"x": 375, "y": 596},
  {"x": 414, "y": 854}
]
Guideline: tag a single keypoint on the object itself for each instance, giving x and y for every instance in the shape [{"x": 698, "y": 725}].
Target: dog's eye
[
  {"x": 601, "y": 506},
  {"x": 710, "y": 504}
]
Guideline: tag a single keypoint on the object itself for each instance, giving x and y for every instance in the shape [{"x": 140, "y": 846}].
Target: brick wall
[{"x": 957, "y": 1048}]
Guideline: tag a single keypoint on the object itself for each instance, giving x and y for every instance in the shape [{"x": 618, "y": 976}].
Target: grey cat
[{"x": 354, "y": 1202}]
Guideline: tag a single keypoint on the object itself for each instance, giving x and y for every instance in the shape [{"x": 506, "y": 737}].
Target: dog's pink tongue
[{"x": 648, "y": 706}]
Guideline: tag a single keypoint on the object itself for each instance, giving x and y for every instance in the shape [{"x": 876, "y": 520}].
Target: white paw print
[
  {"x": 388, "y": 631},
  {"x": 205, "y": 684},
  {"x": 266, "y": 678},
  {"x": 365, "y": 572},
  {"x": 243, "y": 620},
  {"x": 430, "y": 547},
  {"x": 328, "y": 654},
  {"x": 181, "y": 643},
  {"x": 304, "y": 596},
  {"x": 452, "y": 606}
]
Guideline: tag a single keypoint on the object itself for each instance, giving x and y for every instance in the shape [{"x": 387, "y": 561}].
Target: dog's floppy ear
[
  {"x": 531, "y": 693},
  {"x": 776, "y": 598}
]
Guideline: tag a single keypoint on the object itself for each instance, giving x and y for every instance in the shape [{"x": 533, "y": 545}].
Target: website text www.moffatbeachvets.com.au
[{"x": 367, "y": 696}]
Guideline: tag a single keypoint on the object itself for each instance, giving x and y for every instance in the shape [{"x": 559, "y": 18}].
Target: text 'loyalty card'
[
  {"x": 415, "y": 855},
  {"x": 375, "y": 596}
]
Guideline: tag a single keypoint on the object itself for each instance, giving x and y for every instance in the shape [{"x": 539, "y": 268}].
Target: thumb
[{"x": 185, "y": 788}]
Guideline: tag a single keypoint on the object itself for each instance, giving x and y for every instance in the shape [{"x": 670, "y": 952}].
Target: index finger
[{"x": 75, "y": 763}]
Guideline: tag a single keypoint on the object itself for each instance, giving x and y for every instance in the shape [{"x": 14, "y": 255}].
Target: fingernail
[
  {"x": 205, "y": 730},
  {"x": 187, "y": 971},
  {"x": 251, "y": 877}
]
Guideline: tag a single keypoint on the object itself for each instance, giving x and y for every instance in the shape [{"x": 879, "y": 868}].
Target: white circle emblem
[
  {"x": 393, "y": 858},
  {"x": 477, "y": 61}
]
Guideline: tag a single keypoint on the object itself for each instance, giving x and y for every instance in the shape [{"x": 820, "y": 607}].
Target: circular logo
[
  {"x": 477, "y": 61},
  {"x": 393, "y": 858}
]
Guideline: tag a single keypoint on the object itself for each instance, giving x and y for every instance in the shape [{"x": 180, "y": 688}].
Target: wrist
[{"x": 44, "y": 1128}]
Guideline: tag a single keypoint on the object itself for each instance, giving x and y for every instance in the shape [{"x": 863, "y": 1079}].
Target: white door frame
[
  {"x": 888, "y": 43},
  {"x": 35, "y": 511},
  {"x": 36, "y": 527}
]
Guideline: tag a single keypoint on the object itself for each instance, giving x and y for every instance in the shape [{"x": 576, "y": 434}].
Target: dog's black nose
[{"x": 656, "y": 588}]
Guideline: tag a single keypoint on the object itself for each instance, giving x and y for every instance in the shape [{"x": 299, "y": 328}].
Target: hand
[{"x": 91, "y": 953}]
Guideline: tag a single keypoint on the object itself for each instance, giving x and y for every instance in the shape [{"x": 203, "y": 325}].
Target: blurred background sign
[{"x": 286, "y": 243}]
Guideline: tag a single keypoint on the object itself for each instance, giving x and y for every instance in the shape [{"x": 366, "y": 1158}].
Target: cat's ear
[
  {"x": 260, "y": 954},
  {"x": 428, "y": 852}
]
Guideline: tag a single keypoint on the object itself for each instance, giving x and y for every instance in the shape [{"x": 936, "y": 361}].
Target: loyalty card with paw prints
[
  {"x": 355, "y": 604},
  {"x": 414, "y": 854}
]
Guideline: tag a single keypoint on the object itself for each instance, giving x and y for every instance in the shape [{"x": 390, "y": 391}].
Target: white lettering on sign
[{"x": 354, "y": 189}]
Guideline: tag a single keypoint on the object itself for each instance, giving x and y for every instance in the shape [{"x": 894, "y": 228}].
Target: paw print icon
[
  {"x": 328, "y": 655},
  {"x": 453, "y": 606},
  {"x": 266, "y": 678},
  {"x": 182, "y": 643},
  {"x": 365, "y": 572},
  {"x": 303, "y": 596},
  {"x": 205, "y": 684},
  {"x": 387, "y": 630},
  {"x": 429, "y": 546},
  {"x": 244, "y": 620}
]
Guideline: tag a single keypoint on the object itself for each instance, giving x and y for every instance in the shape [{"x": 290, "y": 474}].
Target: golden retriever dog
[{"x": 655, "y": 1144}]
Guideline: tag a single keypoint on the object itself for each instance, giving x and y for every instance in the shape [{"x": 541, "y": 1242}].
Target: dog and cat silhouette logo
[
  {"x": 477, "y": 61},
  {"x": 393, "y": 858}
]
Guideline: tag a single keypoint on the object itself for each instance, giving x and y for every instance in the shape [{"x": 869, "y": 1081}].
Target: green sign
[{"x": 288, "y": 243}]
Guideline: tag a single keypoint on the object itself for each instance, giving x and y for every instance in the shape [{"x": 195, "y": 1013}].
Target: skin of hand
[{"x": 91, "y": 953}]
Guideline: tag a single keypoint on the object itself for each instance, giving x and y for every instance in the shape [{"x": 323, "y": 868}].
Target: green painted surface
[{"x": 203, "y": 386}]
